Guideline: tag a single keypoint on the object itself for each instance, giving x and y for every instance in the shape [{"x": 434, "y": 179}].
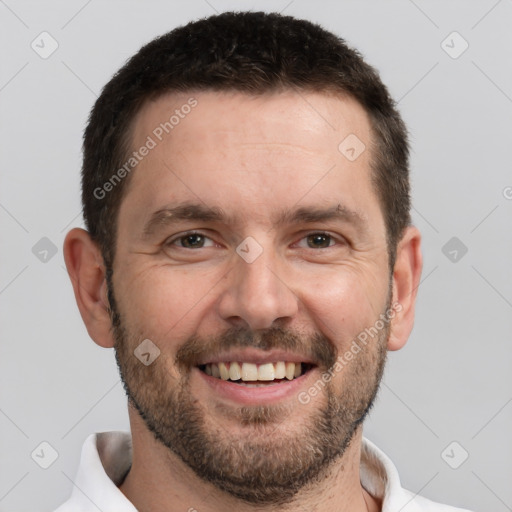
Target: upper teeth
[{"x": 253, "y": 372}]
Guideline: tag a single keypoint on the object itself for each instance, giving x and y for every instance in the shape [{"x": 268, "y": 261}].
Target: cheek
[
  {"x": 163, "y": 303},
  {"x": 344, "y": 303}
]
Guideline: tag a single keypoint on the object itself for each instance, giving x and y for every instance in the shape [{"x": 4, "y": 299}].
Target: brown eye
[
  {"x": 192, "y": 241},
  {"x": 319, "y": 240}
]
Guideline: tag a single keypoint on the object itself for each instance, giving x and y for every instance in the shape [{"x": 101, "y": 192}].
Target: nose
[{"x": 256, "y": 295}]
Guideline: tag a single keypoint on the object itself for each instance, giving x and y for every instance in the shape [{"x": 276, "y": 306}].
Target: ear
[
  {"x": 406, "y": 279},
  {"x": 86, "y": 270}
]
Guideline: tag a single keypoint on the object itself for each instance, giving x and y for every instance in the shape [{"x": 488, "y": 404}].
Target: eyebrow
[
  {"x": 184, "y": 212},
  {"x": 313, "y": 214},
  {"x": 197, "y": 212}
]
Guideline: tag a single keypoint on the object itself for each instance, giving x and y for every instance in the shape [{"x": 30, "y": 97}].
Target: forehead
[
  {"x": 312, "y": 120},
  {"x": 251, "y": 151}
]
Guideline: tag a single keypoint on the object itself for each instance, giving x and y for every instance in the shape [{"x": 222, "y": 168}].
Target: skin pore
[{"x": 262, "y": 175}]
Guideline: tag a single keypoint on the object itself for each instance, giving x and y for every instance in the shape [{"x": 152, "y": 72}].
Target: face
[{"x": 252, "y": 253}]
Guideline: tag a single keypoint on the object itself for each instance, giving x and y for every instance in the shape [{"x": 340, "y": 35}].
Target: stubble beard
[{"x": 259, "y": 462}]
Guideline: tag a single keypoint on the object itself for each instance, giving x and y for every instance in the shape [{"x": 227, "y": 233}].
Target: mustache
[{"x": 315, "y": 346}]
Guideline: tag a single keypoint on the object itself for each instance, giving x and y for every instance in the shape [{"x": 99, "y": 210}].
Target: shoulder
[
  {"x": 105, "y": 460},
  {"x": 379, "y": 476},
  {"x": 416, "y": 503}
]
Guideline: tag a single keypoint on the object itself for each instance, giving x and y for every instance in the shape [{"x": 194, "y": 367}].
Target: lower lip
[{"x": 257, "y": 395}]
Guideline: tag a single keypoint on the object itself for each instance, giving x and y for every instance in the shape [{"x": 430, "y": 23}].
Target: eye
[
  {"x": 190, "y": 240},
  {"x": 318, "y": 240}
]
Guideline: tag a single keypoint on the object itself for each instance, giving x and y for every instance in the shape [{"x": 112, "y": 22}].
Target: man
[{"x": 249, "y": 255}]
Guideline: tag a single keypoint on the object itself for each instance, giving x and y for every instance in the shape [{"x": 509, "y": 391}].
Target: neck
[{"x": 159, "y": 481}]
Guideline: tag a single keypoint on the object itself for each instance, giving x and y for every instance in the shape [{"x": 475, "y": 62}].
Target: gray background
[{"x": 450, "y": 383}]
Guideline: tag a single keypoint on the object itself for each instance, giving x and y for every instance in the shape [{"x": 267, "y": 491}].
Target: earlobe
[
  {"x": 406, "y": 279},
  {"x": 86, "y": 270}
]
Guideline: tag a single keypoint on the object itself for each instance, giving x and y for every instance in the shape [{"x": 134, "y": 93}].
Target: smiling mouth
[{"x": 256, "y": 375}]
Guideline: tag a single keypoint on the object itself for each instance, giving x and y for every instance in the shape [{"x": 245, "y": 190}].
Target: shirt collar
[
  {"x": 104, "y": 462},
  {"x": 106, "y": 459}
]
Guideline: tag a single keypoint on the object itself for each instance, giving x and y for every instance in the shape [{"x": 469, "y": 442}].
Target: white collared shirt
[{"x": 106, "y": 459}]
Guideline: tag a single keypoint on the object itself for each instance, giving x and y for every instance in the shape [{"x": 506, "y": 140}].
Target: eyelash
[
  {"x": 191, "y": 233},
  {"x": 185, "y": 235}
]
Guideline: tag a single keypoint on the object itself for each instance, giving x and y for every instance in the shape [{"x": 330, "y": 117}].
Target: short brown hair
[{"x": 250, "y": 52}]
